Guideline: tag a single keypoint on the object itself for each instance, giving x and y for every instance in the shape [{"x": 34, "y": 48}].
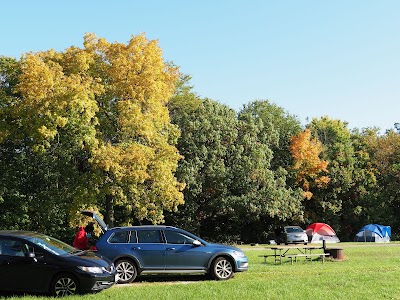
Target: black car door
[{"x": 19, "y": 272}]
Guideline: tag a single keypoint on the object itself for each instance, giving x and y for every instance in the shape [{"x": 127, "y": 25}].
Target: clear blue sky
[{"x": 311, "y": 57}]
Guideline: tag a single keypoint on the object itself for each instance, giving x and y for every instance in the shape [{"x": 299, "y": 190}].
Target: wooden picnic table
[{"x": 302, "y": 251}]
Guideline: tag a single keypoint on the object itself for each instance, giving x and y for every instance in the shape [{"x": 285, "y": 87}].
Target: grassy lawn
[{"x": 370, "y": 271}]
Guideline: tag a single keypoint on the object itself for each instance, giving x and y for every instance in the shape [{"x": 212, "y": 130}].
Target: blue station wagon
[{"x": 160, "y": 249}]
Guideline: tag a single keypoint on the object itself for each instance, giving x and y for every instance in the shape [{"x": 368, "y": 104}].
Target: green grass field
[{"x": 369, "y": 271}]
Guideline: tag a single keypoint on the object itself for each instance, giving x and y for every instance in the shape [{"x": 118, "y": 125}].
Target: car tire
[
  {"x": 222, "y": 268},
  {"x": 126, "y": 270},
  {"x": 64, "y": 285}
]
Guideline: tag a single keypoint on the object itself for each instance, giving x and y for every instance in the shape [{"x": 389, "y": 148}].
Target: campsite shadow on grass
[{"x": 172, "y": 278}]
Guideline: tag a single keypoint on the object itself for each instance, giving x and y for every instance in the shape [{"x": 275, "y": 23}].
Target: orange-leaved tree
[{"x": 309, "y": 167}]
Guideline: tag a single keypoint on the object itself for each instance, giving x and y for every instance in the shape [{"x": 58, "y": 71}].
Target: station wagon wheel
[
  {"x": 126, "y": 270},
  {"x": 64, "y": 285},
  {"x": 222, "y": 269}
]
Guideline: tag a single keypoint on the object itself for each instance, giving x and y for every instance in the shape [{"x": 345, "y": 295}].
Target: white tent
[{"x": 319, "y": 232}]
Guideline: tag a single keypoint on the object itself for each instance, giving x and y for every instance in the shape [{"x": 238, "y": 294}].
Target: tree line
[{"x": 114, "y": 128}]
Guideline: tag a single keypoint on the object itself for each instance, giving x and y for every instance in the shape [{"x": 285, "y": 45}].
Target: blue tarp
[{"x": 374, "y": 233}]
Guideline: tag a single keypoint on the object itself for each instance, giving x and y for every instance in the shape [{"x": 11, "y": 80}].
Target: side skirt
[{"x": 173, "y": 271}]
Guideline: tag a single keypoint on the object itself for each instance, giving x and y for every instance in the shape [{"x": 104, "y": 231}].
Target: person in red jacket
[{"x": 81, "y": 240}]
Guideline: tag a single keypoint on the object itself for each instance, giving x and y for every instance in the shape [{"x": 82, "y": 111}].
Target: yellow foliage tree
[
  {"x": 307, "y": 163},
  {"x": 113, "y": 97}
]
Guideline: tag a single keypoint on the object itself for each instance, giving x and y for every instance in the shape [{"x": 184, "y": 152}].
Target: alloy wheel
[
  {"x": 65, "y": 286},
  {"x": 126, "y": 271},
  {"x": 223, "y": 269}
]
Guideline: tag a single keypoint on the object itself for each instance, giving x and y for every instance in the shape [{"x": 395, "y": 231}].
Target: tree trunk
[{"x": 109, "y": 215}]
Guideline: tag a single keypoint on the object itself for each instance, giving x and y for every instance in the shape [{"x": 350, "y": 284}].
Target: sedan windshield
[
  {"x": 52, "y": 245},
  {"x": 293, "y": 229}
]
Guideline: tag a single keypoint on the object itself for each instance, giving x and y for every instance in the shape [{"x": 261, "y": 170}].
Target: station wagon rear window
[{"x": 119, "y": 237}]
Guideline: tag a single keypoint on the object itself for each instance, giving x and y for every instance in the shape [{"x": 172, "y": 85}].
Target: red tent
[{"x": 317, "y": 232}]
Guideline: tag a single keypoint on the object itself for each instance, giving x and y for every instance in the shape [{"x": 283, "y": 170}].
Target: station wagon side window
[
  {"x": 174, "y": 237},
  {"x": 133, "y": 238},
  {"x": 119, "y": 237},
  {"x": 149, "y": 236}
]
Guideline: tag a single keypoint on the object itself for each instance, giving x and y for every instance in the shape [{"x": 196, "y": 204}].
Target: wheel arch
[
  {"x": 59, "y": 273},
  {"x": 226, "y": 255},
  {"x": 132, "y": 258},
  {"x": 130, "y": 270}
]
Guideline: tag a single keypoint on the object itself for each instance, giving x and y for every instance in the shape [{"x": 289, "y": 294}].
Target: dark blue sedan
[{"x": 164, "y": 249}]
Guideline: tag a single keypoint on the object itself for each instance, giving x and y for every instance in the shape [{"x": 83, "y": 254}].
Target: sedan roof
[{"x": 20, "y": 233}]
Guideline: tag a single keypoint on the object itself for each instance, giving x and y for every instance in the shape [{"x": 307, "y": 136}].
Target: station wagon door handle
[
  {"x": 135, "y": 248},
  {"x": 170, "y": 249}
]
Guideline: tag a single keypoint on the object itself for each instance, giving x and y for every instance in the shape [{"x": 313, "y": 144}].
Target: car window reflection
[
  {"x": 177, "y": 238},
  {"x": 119, "y": 237},
  {"x": 12, "y": 248},
  {"x": 149, "y": 236}
]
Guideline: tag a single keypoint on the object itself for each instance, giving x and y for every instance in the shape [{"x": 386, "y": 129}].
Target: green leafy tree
[
  {"x": 207, "y": 136},
  {"x": 350, "y": 176},
  {"x": 359, "y": 209},
  {"x": 384, "y": 153},
  {"x": 281, "y": 127},
  {"x": 34, "y": 186},
  {"x": 263, "y": 195},
  {"x": 226, "y": 168},
  {"x": 184, "y": 99}
]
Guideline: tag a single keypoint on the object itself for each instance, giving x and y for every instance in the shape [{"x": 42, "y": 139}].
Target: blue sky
[{"x": 312, "y": 58}]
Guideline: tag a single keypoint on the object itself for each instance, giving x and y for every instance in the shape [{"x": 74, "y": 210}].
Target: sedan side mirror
[
  {"x": 31, "y": 255},
  {"x": 196, "y": 243}
]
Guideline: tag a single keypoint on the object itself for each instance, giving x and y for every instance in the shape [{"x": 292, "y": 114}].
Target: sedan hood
[
  {"x": 297, "y": 234},
  {"x": 89, "y": 259}
]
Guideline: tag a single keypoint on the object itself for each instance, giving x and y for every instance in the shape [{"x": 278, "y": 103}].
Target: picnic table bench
[
  {"x": 277, "y": 257},
  {"x": 307, "y": 256}
]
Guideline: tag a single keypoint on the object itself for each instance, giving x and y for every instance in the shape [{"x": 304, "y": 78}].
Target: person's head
[{"x": 89, "y": 228}]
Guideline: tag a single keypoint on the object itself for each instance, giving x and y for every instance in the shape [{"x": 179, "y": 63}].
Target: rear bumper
[{"x": 297, "y": 241}]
